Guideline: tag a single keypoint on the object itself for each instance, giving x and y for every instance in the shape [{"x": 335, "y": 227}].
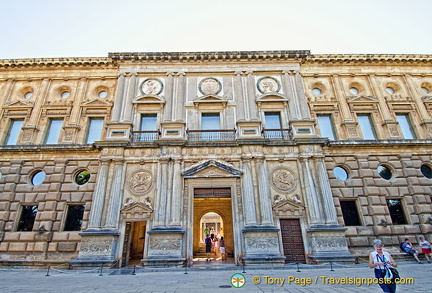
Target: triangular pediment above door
[{"x": 211, "y": 168}]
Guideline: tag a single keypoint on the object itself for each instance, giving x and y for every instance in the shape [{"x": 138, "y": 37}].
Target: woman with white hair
[{"x": 382, "y": 261}]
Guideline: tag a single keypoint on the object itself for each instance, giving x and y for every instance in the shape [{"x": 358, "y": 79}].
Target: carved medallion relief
[
  {"x": 210, "y": 86},
  {"x": 283, "y": 180},
  {"x": 139, "y": 182},
  {"x": 151, "y": 86}
]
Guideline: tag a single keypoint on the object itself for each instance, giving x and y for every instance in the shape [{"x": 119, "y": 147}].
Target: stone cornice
[
  {"x": 210, "y": 56},
  {"x": 55, "y": 62},
  {"x": 368, "y": 58}
]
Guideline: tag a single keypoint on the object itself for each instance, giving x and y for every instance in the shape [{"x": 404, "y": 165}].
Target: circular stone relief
[
  {"x": 140, "y": 182},
  {"x": 268, "y": 84},
  {"x": 210, "y": 86},
  {"x": 283, "y": 180},
  {"x": 151, "y": 86}
]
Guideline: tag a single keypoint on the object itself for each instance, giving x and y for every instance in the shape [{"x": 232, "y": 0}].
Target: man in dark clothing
[{"x": 208, "y": 243}]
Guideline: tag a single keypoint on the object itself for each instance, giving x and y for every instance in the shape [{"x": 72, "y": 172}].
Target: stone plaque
[
  {"x": 283, "y": 180},
  {"x": 268, "y": 84},
  {"x": 165, "y": 245},
  {"x": 210, "y": 86},
  {"x": 151, "y": 86},
  {"x": 257, "y": 243},
  {"x": 139, "y": 182}
]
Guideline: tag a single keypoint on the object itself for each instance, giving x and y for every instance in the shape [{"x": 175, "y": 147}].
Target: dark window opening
[
  {"x": 396, "y": 211},
  {"x": 27, "y": 219},
  {"x": 350, "y": 213},
  {"x": 74, "y": 218}
]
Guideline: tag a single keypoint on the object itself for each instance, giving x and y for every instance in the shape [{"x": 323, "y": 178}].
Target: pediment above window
[
  {"x": 19, "y": 104},
  {"x": 211, "y": 168},
  {"x": 360, "y": 99},
  {"x": 210, "y": 99},
  {"x": 272, "y": 98},
  {"x": 149, "y": 99},
  {"x": 96, "y": 103}
]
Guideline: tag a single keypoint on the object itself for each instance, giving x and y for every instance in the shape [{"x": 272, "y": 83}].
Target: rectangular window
[
  {"x": 94, "y": 132},
  {"x": 325, "y": 124},
  {"x": 210, "y": 121},
  {"x": 148, "y": 122},
  {"x": 54, "y": 129},
  {"x": 405, "y": 125},
  {"x": 396, "y": 211},
  {"x": 149, "y": 126},
  {"x": 14, "y": 131},
  {"x": 272, "y": 120},
  {"x": 74, "y": 218},
  {"x": 350, "y": 213},
  {"x": 27, "y": 219},
  {"x": 366, "y": 127}
]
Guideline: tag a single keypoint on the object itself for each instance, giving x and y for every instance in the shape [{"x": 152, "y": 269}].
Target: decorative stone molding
[{"x": 219, "y": 170}]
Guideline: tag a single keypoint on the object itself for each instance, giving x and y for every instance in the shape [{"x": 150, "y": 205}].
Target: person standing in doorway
[
  {"x": 206, "y": 232},
  {"x": 222, "y": 248},
  {"x": 208, "y": 245}
]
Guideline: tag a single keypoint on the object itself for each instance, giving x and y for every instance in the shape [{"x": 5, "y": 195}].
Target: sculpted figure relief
[
  {"x": 283, "y": 180},
  {"x": 140, "y": 182},
  {"x": 210, "y": 86},
  {"x": 151, "y": 86}
]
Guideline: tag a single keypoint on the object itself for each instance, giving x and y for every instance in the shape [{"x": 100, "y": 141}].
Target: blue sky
[{"x": 87, "y": 28}]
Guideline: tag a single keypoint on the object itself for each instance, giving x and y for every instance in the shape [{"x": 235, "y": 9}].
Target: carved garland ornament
[
  {"x": 140, "y": 182},
  {"x": 283, "y": 180}
]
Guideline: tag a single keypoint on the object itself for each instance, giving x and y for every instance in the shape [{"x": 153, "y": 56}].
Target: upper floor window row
[
  {"x": 366, "y": 126},
  {"x": 54, "y": 130}
]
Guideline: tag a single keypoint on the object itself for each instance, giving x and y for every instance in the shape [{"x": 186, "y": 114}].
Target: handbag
[{"x": 390, "y": 273}]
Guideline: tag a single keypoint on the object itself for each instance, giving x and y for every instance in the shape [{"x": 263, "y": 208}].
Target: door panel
[{"x": 292, "y": 240}]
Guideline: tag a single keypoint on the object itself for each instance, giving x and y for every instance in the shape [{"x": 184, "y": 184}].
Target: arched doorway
[
  {"x": 212, "y": 224},
  {"x": 212, "y": 211}
]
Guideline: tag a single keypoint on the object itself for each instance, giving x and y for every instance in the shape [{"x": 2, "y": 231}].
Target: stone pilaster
[
  {"x": 115, "y": 196},
  {"x": 251, "y": 96},
  {"x": 176, "y": 198},
  {"x": 169, "y": 87},
  {"x": 326, "y": 194},
  {"x": 126, "y": 116},
  {"x": 264, "y": 193},
  {"x": 179, "y": 112},
  {"x": 241, "y": 101},
  {"x": 290, "y": 90},
  {"x": 118, "y": 98},
  {"x": 314, "y": 208},
  {"x": 99, "y": 195},
  {"x": 248, "y": 194},
  {"x": 161, "y": 196}
]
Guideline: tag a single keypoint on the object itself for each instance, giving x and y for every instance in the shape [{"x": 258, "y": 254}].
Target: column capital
[
  {"x": 170, "y": 73},
  {"x": 181, "y": 73},
  {"x": 238, "y": 72}
]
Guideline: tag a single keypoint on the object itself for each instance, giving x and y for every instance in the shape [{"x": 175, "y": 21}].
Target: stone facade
[{"x": 246, "y": 122}]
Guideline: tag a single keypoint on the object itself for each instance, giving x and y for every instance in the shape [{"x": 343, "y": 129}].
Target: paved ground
[{"x": 206, "y": 277}]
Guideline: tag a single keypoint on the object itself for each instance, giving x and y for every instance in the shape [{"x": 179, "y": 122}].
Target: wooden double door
[{"x": 292, "y": 241}]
